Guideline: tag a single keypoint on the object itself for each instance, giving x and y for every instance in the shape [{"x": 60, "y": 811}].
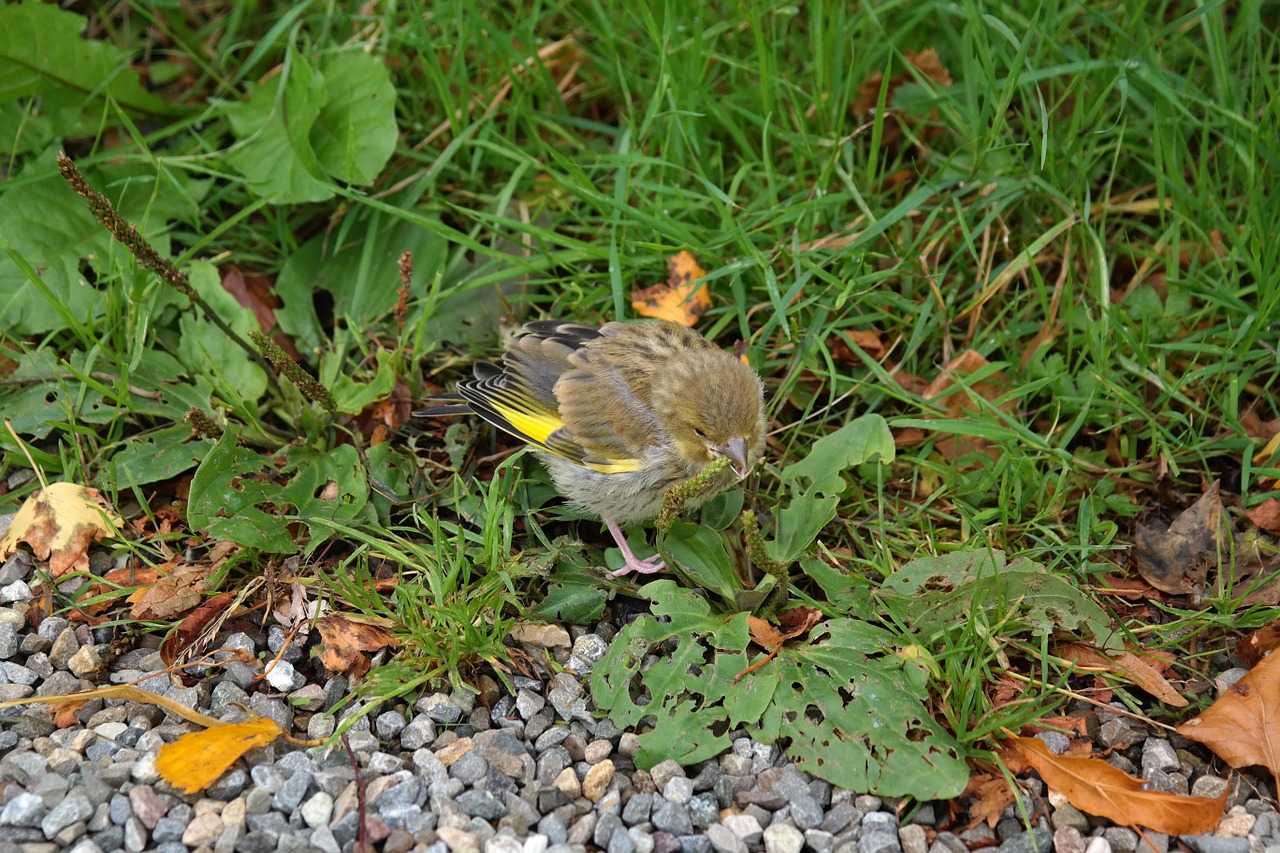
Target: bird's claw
[{"x": 647, "y": 566}]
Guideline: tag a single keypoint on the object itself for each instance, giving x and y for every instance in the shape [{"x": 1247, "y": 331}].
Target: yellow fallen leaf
[
  {"x": 196, "y": 760},
  {"x": 682, "y": 298},
  {"x": 60, "y": 522}
]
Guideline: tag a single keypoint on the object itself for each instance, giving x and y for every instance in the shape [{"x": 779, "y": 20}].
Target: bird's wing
[{"x": 527, "y": 398}]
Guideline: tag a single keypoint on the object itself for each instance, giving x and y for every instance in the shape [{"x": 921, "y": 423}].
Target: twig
[
  {"x": 362, "y": 831},
  {"x": 129, "y": 237}
]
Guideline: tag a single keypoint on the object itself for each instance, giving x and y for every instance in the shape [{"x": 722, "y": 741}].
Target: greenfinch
[{"x": 620, "y": 413}]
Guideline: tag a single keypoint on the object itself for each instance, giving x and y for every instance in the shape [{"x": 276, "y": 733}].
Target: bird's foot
[{"x": 647, "y": 566}]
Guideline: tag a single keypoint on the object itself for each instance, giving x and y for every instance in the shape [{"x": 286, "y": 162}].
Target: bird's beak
[{"x": 736, "y": 451}]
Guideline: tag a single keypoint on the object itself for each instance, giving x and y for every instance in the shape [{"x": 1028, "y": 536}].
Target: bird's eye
[{"x": 699, "y": 433}]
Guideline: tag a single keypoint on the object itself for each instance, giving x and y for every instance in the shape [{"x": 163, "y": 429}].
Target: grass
[{"x": 1079, "y": 194}]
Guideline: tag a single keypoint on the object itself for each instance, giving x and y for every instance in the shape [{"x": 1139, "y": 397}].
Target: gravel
[{"x": 534, "y": 773}]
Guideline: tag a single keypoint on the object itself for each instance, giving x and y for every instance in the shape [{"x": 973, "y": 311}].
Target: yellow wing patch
[
  {"x": 616, "y": 466},
  {"x": 534, "y": 425}
]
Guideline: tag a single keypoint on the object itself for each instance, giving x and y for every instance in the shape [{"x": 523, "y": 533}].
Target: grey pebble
[
  {"x": 673, "y": 818},
  {"x": 1213, "y": 844}
]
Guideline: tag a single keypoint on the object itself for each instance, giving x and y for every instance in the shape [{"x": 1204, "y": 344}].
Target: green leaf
[
  {"x": 305, "y": 125},
  {"x": 815, "y": 483},
  {"x": 50, "y": 228},
  {"x": 854, "y": 713},
  {"x": 361, "y": 276},
  {"x": 329, "y": 485},
  {"x": 273, "y": 132},
  {"x": 42, "y": 53},
  {"x": 353, "y": 397},
  {"x": 205, "y": 350},
  {"x": 159, "y": 455},
  {"x": 700, "y": 551},
  {"x": 225, "y": 498},
  {"x": 936, "y": 595},
  {"x": 356, "y": 132},
  {"x": 575, "y": 603}
]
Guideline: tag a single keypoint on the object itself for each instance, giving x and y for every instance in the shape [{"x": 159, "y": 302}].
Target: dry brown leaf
[
  {"x": 792, "y": 623},
  {"x": 1095, "y": 787},
  {"x": 344, "y": 642},
  {"x": 869, "y": 89},
  {"x": 1266, "y": 516},
  {"x": 256, "y": 291},
  {"x": 957, "y": 402},
  {"x": 682, "y": 298},
  {"x": 1259, "y": 644},
  {"x": 94, "y": 598},
  {"x": 1255, "y": 427},
  {"x": 1243, "y": 726},
  {"x": 171, "y": 594},
  {"x": 60, "y": 523},
  {"x": 991, "y": 795},
  {"x": 1177, "y": 558},
  {"x": 192, "y": 627},
  {"x": 196, "y": 760},
  {"x": 1127, "y": 665},
  {"x": 64, "y": 713}
]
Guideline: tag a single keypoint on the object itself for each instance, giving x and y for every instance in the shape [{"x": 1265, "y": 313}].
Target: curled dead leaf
[
  {"x": 1127, "y": 665},
  {"x": 345, "y": 641}
]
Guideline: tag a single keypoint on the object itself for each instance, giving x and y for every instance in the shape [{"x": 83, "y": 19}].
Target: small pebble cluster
[{"x": 534, "y": 773}]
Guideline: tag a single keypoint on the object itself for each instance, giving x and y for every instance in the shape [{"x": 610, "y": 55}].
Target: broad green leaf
[
  {"x": 353, "y": 397},
  {"x": 157, "y": 456},
  {"x": 227, "y": 491},
  {"x": 361, "y": 275},
  {"x": 700, "y": 551},
  {"x": 43, "y": 52},
  {"x": 273, "y": 132},
  {"x": 356, "y": 131},
  {"x": 205, "y": 350},
  {"x": 330, "y": 485},
  {"x": 935, "y": 595},
  {"x": 50, "y": 227},
  {"x": 853, "y": 712},
  {"x": 815, "y": 485},
  {"x": 575, "y": 603}
]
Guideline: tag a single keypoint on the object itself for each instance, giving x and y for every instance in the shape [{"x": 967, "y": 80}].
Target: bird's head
[{"x": 712, "y": 405}]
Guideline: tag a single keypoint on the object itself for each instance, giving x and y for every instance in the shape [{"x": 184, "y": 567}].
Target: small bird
[{"x": 620, "y": 413}]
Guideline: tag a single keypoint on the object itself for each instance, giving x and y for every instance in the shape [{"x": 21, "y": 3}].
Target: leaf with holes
[{"x": 853, "y": 711}]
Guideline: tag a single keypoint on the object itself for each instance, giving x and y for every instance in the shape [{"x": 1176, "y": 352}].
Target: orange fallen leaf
[
  {"x": 793, "y": 623},
  {"x": 1095, "y": 787},
  {"x": 344, "y": 642},
  {"x": 991, "y": 795},
  {"x": 196, "y": 760},
  {"x": 1127, "y": 665},
  {"x": 682, "y": 298},
  {"x": 1243, "y": 726},
  {"x": 64, "y": 713},
  {"x": 60, "y": 522},
  {"x": 94, "y": 598}
]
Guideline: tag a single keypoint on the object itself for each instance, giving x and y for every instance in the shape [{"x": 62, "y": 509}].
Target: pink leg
[{"x": 632, "y": 562}]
